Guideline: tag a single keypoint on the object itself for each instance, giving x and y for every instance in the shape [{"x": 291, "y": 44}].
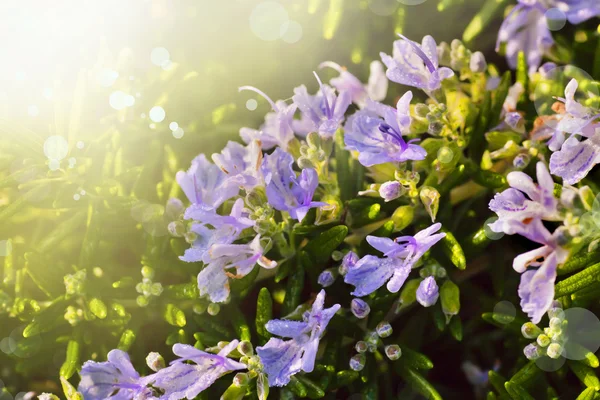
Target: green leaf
[
  {"x": 419, "y": 383},
  {"x": 126, "y": 340},
  {"x": 408, "y": 295},
  {"x": 345, "y": 378},
  {"x": 297, "y": 387},
  {"x": 577, "y": 282},
  {"x": 403, "y": 217},
  {"x": 415, "y": 359},
  {"x": 262, "y": 386},
  {"x": 313, "y": 390},
  {"x": 497, "y": 382},
  {"x": 320, "y": 248},
  {"x": 98, "y": 308},
  {"x": 586, "y": 375},
  {"x": 482, "y": 19},
  {"x": 342, "y": 168},
  {"x": 174, "y": 315},
  {"x": 455, "y": 328},
  {"x": 499, "y": 98},
  {"x": 234, "y": 392},
  {"x": 497, "y": 139},
  {"x": 477, "y": 139},
  {"x": 295, "y": 284},
  {"x": 522, "y": 70},
  {"x": 47, "y": 319},
  {"x": 489, "y": 179},
  {"x": 70, "y": 392},
  {"x": 517, "y": 392},
  {"x": 526, "y": 374},
  {"x": 450, "y": 299},
  {"x": 238, "y": 321},
  {"x": 578, "y": 261},
  {"x": 454, "y": 250},
  {"x": 71, "y": 361},
  {"x": 587, "y": 394}
]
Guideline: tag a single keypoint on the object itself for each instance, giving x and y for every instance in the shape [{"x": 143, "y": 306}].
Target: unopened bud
[
  {"x": 530, "y": 330},
  {"x": 327, "y": 277},
  {"x": 428, "y": 292},
  {"x": 359, "y": 308},
  {"x": 155, "y": 361},
  {"x": 213, "y": 309},
  {"x": 357, "y": 362},
  {"x": 532, "y": 352},
  {"x": 393, "y": 352},
  {"x": 391, "y": 190},
  {"x": 554, "y": 350},
  {"x": 174, "y": 208},
  {"x": 478, "y": 63},
  {"x": 176, "y": 228},
  {"x": 361, "y": 347},
  {"x": 241, "y": 379},
  {"x": 543, "y": 340},
  {"x": 384, "y": 329}
]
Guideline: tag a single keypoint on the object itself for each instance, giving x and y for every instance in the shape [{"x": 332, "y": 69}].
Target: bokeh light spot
[
  {"x": 267, "y": 19},
  {"x": 159, "y": 56},
  {"x": 178, "y": 133},
  {"x": 173, "y": 126},
  {"x": 157, "y": 114},
  {"x": 291, "y": 32},
  {"x": 33, "y": 110},
  {"x": 489, "y": 233},
  {"x": 556, "y": 19},
  {"x": 251, "y": 104},
  {"x": 107, "y": 77},
  {"x": 56, "y": 147},
  {"x": 119, "y": 100}
]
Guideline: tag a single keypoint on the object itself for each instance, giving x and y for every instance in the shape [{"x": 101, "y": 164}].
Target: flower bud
[
  {"x": 304, "y": 162},
  {"x": 213, "y": 309},
  {"x": 530, "y": 330},
  {"x": 393, "y": 352},
  {"x": 428, "y": 292},
  {"x": 548, "y": 70},
  {"x": 391, "y": 190},
  {"x": 430, "y": 198},
  {"x": 327, "y": 277},
  {"x": 176, "y": 228},
  {"x": 155, "y": 361},
  {"x": 174, "y": 208},
  {"x": 241, "y": 379},
  {"x": 543, "y": 340},
  {"x": 357, "y": 362},
  {"x": 245, "y": 348},
  {"x": 359, "y": 308},
  {"x": 521, "y": 161},
  {"x": 421, "y": 110},
  {"x": 384, "y": 329},
  {"x": 361, "y": 346},
  {"x": 478, "y": 63},
  {"x": 554, "y": 350},
  {"x": 349, "y": 260},
  {"x": 532, "y": 352},
  {"x": 556, "y": 312}
]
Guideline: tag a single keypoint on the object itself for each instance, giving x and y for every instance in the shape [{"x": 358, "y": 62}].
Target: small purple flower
[
  {"x": 183, "y": 380},
  {"x": 326, "y": 278},
  {"x": 375, "y": 90},
  {"x": 401, "y": 254},
  {"x": 526, "y": 29},
  {"x": 277, "y": 129},
  {"x": 416, "y": 65},
  {"x": 282, "y": 359},
  {"x": 205, "y": 184},
  {"x": 516, "y": 211},
  {"x": 285, "y": 191},
  {"x": 113, "y": 379},
  {"x": 477, "y": 63},
  {"x": 238, "y": 218},
  {"x": 578, "y": 11},
  {"x": 576, "y": 117},
  {"x": 576, "y": 158},
  {"x": 349, "y": 260},
  {"x": 241, "y": 163},
  {"x": 213, "y": 280},
  {"x": 376, "y": 133},
  {"x": 359, "y": 308},
  {"x": 428, "y": 292},
  {"x": 390, "y": 190},
  {"x": 322, "y": 113}
]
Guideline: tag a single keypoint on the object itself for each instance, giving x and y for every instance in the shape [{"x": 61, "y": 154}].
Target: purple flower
[
  {"x": 205, "y": 184},
  {"x": 477, "y": 62},
  {"x": 376, "y": 133},
  {"x": 526, "y": 29},
  {"x": 400, "y": 255},
  {"x": 390, "y": 190},
  {"x": 576, "y": 117},
  {"x": 240, "y": 163},
  {"x": 536, "y": 289},
  {"x": 428, "y": 292},
  {"x": 516, "y": 211},
  {"x": 213, "y": 280},
  {"x": 375, "y": 90},
  {"x": 238, "y": 217},
  {"x": 359, "y": 308},
  {"x": 578, "y": 11},
  {"x": 182, "y": 380},
  {"x": 113, "y": 379},
  {"x": 323, "y": 112},
  {"x": 285, "y": 191},
  {"x": 282, "y": 359},
  {"x": 416, "y": 65},
  {"x": 277, "y": 129}
]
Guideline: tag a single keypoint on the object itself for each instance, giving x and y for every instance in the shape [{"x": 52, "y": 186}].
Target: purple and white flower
[
  {"x": 114, "y": 379},
  {"x": 375, "y": 89},
  {"x": 377, "y": 134},
  {"x": 322, "y": 113},
  {"x": 277, "y": 129},
  {"x": 241, "y": 163},
  {"x": 416, "y": 65},
  {"x": 282, "y": 359},
  {"x": 400, "y": 255},
  {"x": 182, "y": 380},
  {"x": 286, "y": 191}
]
